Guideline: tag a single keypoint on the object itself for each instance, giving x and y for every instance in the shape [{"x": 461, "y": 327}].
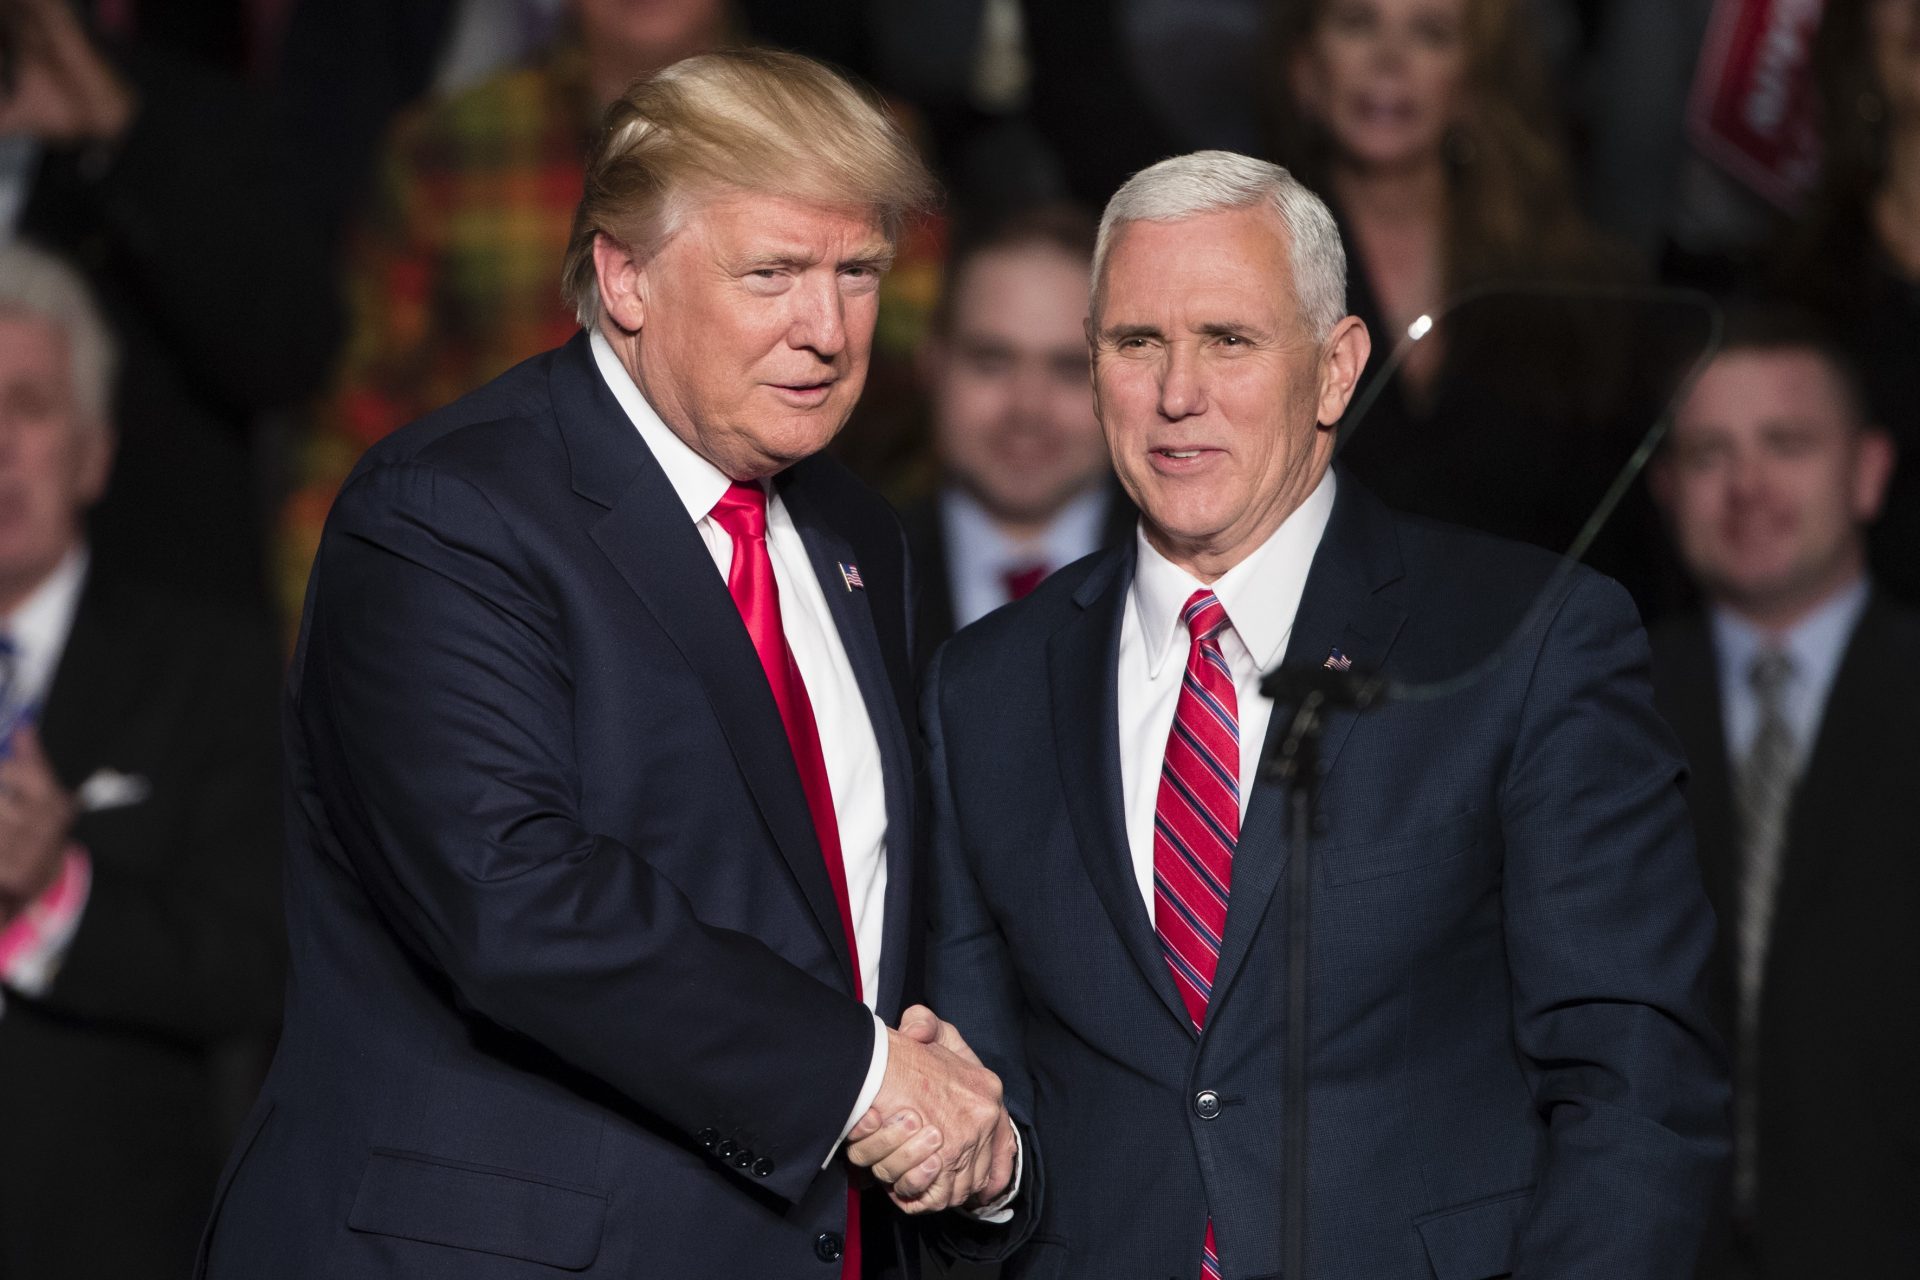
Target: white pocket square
[{"x": 111, "y": 789}]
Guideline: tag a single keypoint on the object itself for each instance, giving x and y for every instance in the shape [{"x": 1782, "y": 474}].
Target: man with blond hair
[
  {"x": 1509, "y": 1067},
  {"x": 601, "y": 871}
]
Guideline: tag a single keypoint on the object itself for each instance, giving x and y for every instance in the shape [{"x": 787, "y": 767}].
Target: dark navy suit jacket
[
  {"x": 569, "y": 991},
  {"x": 1511, "y": 1064}
]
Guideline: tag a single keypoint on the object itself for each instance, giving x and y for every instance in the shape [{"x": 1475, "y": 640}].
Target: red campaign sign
[{"x": 1753, "y": 106}]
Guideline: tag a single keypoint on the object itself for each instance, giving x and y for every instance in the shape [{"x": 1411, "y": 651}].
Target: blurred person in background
[
  {"x": 1025, "y": 484},
  {"x": 1426, "y": 124},
  {"x": 140, "y": 933},
  {"x": 1796, "y": 694},
  {"x": 153, "y": 174},
  {"x": 1856, "y": 258},
  {"x": 450, "y": 273}
]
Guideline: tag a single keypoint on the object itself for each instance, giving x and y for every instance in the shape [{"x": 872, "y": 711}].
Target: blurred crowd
[{"x": 241, "y": 240}]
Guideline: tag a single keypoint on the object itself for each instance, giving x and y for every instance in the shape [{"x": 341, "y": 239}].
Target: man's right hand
[{"x": 946, "y": 1139}]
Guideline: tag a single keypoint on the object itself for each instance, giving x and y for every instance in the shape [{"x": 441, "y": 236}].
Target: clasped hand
[{"x": 937, "y": 1135}]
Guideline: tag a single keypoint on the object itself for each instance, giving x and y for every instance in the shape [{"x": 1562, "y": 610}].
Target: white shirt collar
[
  {"x": 39, "y": 627},
  {"x": 698, "y": 482},
  {"x": 1261, "y": 594}
]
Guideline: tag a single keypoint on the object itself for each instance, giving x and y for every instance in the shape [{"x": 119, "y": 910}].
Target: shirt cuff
[
  {"x": 1001, "y": 1210},
  {"x": 36, "y": 941},
  {"x": 876, "y": 1074}
]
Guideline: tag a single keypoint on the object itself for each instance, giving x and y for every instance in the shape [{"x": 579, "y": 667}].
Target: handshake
[{"x": 937, "y": 1135}]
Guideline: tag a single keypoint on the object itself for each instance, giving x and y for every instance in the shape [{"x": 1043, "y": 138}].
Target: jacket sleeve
[
  {"x": 971, "y": 983},
  {"x": 437, "y": 708},
  {"x": 1609, "y": 936}
]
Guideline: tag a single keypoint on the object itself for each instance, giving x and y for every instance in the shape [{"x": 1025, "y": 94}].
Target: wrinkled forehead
[{"x": 1236, "y": 259}]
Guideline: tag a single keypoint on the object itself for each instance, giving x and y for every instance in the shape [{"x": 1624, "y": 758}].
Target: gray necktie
[{"x": 1764, "y": 792}]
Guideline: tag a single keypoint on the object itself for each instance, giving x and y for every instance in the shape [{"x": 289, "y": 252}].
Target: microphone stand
[{"x": 1294, "y": 761}]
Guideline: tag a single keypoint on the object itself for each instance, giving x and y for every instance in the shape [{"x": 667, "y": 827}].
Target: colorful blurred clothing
[{"x": 454, "y": 273}]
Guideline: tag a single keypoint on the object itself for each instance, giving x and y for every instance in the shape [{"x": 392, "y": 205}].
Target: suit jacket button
[
  {"x": 742, "y": 1158},
  {"x": 707, "y": 1137},
  {"x": 726, "y": 1149},
  {"x": 762, "y": 1167},
  {"x": 826, "y": 1246},
  {"x": 1206, "y": 1104}
]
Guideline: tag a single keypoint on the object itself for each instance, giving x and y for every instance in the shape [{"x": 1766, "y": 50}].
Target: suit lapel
[
  {"x": 1852, "y": 727},
  {"x": 1083, "y": 657},
  {"x": 886, "y": 689},
  {"x": 646, "y": 535},
  {"x": 1694, "y": 685},
  {"x": 95, "y": 683},
  {"x": 1348, "y": 604}
]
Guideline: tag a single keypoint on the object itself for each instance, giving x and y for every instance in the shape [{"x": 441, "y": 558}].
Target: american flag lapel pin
[
  {"x": 1337, "y": 661},
  {"x": 850, "y": 574}
]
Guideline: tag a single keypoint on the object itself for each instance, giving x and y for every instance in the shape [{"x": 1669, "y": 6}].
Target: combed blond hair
[{"x": 755, "y": 120}]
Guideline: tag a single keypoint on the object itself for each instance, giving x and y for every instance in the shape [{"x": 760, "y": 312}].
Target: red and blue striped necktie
[{"x": 1196, "y": 823}]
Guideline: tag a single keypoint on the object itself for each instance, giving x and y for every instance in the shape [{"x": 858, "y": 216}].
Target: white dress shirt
[
  {"x": 847, "y": 740},
  {"x": 1261, "y": 595},
  {"x": 1816, "y": 644},
  {"x": 980, "y": 555}
]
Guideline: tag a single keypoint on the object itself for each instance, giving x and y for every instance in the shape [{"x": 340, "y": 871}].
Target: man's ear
[
  {"x": 1342, "y": 358},
  {"x": 622, "y": 282},
  {"x": 95, "y": 461},
  {"x": 1874, "y": 454},
  {"x": 1660, "y": 481}
]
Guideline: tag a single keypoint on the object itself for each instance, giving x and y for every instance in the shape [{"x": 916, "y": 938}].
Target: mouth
[
  {"x": 1181, "y": 459},
  {"x": 805, "y": 395},
  {"x": 1380, "y": 109}
]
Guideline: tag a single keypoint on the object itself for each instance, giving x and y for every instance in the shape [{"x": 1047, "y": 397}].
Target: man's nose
[
  {"x": 820, "y": 318},
  {"x": 1747, "y": 474},
  {"x": 1183, "y": 391}
]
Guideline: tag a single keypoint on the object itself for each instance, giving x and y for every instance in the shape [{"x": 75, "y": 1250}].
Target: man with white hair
[
  {"x": 601, "y": 874},
  {"x": 139, "y": 835},
  {"x": 1510, "y": 1068}
]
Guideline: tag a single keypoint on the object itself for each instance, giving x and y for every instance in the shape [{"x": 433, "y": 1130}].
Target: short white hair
[
  {"x": 1214, "y": 181},
  {"x": 36, "y": 284}
]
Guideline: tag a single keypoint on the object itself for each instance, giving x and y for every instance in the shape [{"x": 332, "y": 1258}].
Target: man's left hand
[
  {"x": 898, "y": 1141},
  {"x": 36, "y": 815}
]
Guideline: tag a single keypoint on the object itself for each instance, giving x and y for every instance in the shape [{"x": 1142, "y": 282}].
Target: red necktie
[
  {"x": 1196, "y": 823},
  {"x": 742, "y": 512},
  {"x": 1021, "y": 582}
]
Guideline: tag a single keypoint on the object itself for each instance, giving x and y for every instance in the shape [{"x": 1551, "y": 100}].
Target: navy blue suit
[
  {"x": 1511, "y": 1064},
  {"x": 569, "y": 987}
]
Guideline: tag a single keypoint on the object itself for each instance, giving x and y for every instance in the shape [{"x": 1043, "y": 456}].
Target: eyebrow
[
  {"x": 1221, "y": 329},
  {"x": 877, "y": 258},
  {"x": 1121, "y": 332}
]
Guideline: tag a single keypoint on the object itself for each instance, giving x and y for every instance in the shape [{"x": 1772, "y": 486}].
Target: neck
[
  {"x": 1021, "y": 527},
  {"x": 1780, "y": 614},
  {"x": 17, "y": 588},
  {"x": 1414, "y": 193}
]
